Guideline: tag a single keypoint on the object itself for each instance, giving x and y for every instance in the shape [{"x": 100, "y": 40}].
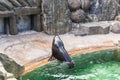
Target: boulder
[
  {"x": 11, "y": 66},
  {"x": 117, "y": 18},
  {"x": 94, "y": 28},
  {"x": 85, "y": 5},
  {"x": 78, "y": 16},
  {"x": 115, "y": 27},
  {"x": 74, "y": 4},
  {"x": 2, "y": 76},
  {"x": 92, "y": 18},
  {"x": 109, "y": 9}
]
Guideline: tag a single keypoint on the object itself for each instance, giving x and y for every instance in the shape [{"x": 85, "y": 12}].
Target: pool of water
[{"x": 99, "y": 65}]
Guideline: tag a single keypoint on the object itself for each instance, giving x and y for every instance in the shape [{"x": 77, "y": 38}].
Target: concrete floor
[{"x": 32, "y": 47}]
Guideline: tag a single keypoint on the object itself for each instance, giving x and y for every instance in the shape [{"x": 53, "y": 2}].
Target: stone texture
[
  {"x": 85, "y": 5},
  {"x": 2, "y": 76},
  {"x": 78, "y": 16},
  {"x": 94, "y": 28},
  {"x": 74, "y": 4},
  {"x": 55, "y": 16},
  {"x": 11, "y": 66},
  {"x": 104, "y": 9},
  {"x": 115, "y": 27}
]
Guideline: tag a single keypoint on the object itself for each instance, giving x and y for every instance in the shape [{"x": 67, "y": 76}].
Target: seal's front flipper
[{"x": 51, "y": 58}]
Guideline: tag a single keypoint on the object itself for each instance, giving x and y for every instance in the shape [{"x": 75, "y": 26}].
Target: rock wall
[
  {"x": 105, "y": 10},
  {"x": 92, "y": 10},
  {"x": 55, "y": 16}
]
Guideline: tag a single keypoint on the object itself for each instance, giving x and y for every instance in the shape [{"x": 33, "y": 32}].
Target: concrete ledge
[{"x": 95, "y": 28}]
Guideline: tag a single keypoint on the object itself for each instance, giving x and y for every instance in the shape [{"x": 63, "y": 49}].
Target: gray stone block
[
  {"x": 2, "y": 76},
  {"x": 94, "y": 28},
  {"x": 117, "y": 18},
  {"x": 11, "y": 66}
]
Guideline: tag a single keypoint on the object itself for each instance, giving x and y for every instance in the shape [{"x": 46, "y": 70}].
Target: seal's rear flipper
[{"x": 51, "y": 58}]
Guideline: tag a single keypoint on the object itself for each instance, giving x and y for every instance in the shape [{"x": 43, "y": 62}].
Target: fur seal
[{"x": 60, "y": 53}]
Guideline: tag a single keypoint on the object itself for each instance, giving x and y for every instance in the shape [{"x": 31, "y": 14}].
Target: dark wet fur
[{"x": 60, "y": 53}]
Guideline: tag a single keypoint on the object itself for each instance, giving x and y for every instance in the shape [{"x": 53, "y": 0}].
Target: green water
[{"x": 100, "y": 65}]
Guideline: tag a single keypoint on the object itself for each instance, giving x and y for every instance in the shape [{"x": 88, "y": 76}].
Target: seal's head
[{"x": 70, "y": 65}]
